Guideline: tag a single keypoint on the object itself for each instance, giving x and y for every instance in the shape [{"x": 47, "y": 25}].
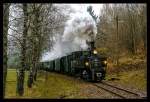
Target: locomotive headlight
[
  {"x": 87, "y": 63},
  {"x": 105, "y": 62},
  {"x": 95, "y": 52}
]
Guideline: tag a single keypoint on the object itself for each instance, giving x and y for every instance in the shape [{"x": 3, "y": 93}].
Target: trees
[
  {"x": 47, "y": 20},
  {"x": 33, "y": 28},
  {"x": 120, "y": 28},
  {"x": 35, "y": 39},
  {"x": 5, "y": 33},
  {"x": 142, "y": 18}
]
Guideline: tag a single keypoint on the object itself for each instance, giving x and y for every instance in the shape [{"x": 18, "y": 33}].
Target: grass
[
  {"x": 134, "y": 79},
  {"x": 131, "y": 71},
  {"x": 11, "y": 83},
  {"x": 58, "y": 85},
  {"x": 55, "y": 86}
]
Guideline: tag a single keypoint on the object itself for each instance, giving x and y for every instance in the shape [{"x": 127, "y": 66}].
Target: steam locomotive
[{"x": 86, "y": 64}]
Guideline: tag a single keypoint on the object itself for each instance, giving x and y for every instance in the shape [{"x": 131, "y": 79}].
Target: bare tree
[
  {"x": 21, "y": 74},
  {"x": 122, "y": 28},
  {"x": 46, "y": 22},
  {"x": 5, "y": 33}
]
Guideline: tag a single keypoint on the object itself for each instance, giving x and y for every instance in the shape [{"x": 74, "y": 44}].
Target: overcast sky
[{"x": 83, "y": 7}]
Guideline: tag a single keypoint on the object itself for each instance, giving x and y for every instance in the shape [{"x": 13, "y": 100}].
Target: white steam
[{"x": 79, "y": 28}]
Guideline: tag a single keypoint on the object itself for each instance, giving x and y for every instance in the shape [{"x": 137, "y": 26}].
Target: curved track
[{"x": 118, "y": 91}]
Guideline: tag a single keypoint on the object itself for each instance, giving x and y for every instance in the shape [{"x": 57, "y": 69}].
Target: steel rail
[
  {"x": 110, "y": 91},
  {"x": 119, "y": 88}
]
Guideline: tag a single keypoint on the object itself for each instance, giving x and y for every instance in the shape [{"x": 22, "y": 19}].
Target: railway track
[{"x": 119, "y": 92}]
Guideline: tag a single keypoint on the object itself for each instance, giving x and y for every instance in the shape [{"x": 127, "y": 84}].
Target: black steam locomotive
[{"x": 87, "y": 64}]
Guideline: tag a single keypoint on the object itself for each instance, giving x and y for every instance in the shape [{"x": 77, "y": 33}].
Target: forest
[{"x": 30, "y": 30}]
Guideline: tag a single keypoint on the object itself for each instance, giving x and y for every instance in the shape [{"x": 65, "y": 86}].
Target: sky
[
  {"x": 96, "y": 7},
  {"x": 83, "y": 7}
]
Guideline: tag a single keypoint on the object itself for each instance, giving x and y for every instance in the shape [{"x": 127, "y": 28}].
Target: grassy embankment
[
  {"x": 56, "y": 86},
  {"x": 131, "y": 72}
]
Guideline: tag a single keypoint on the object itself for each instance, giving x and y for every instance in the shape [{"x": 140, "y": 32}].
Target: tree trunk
[
  {"x": 117, "y": 41},
  {"x": 20, "y": 85},
  {"x": 5, "y": 33},
  {"x": 36, "y": 44},
  {"x": 134, "y": 35},
  {"x": 132, "y": 31}
]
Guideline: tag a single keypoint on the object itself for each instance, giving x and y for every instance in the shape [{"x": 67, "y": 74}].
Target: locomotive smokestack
[
  {"x": 91, "y": 45},
  {"x": 91, "y": 48}
]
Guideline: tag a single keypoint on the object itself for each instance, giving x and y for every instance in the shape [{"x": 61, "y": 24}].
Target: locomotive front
[{"x": 95, "y": 65}]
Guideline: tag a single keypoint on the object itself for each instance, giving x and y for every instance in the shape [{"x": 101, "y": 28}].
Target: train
[{"x": 85, "y": 64}]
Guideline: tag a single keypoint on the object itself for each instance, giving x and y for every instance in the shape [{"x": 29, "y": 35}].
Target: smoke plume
[{"x": 79, "y": 28}]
